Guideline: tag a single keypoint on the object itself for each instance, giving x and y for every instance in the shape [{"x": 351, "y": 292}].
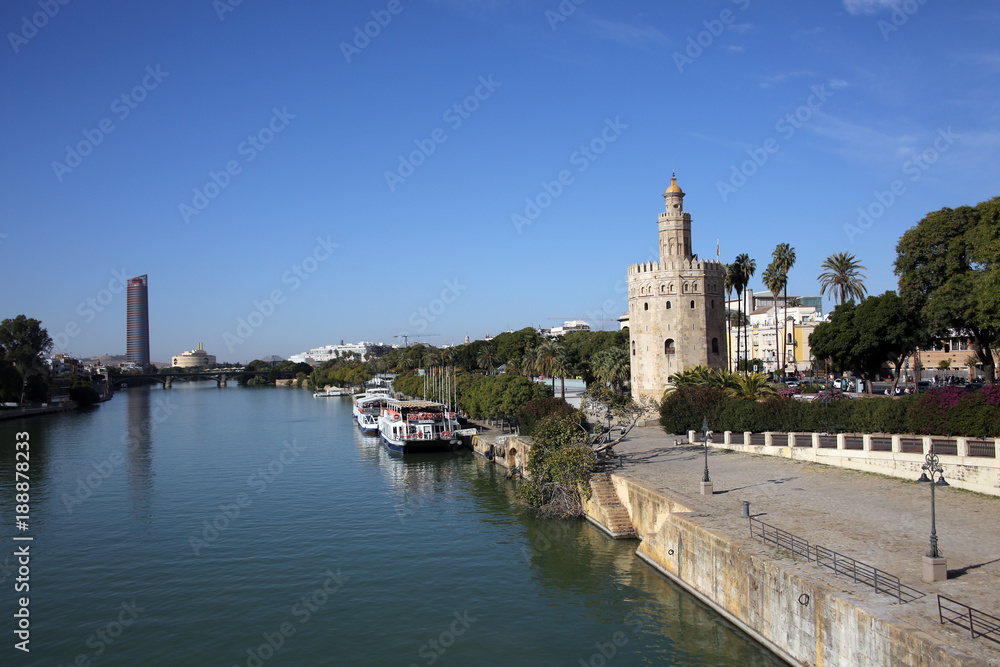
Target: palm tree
[
  {"x": 728, "y": 284},
  {"x": 612, "y": 366},
  {"x": 843, "y": 277},
  {"x": 529, "y": 362},
  {"x": 775, "y": 281},
  {"x": 743, "y": 269},
  {"x": 487, "y": 358},
  {"x": 561, "y": 369},
  {"x": 753, "y": 386},
  {"x": 547, "y": 353},
  {"x": 784, "y": 257}
]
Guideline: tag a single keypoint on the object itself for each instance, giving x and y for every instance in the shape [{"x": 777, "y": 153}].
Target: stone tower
[{"x": 676, "y": 306}]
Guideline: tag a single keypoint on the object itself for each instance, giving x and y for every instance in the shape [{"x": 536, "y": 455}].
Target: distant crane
[{"x": 406, "y": 338}]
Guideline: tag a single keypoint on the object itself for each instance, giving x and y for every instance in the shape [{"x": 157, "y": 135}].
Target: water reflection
[{"x": 138, "y": 441}]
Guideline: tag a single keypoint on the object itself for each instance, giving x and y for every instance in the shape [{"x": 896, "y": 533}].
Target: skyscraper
[{"x": 137, "y": 330}]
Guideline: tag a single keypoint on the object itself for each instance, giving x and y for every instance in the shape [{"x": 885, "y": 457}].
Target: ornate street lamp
[
  {"x": 935, "y": 565},
  {"x": 608, "y": 416},
  {"x": 706, "y": 481}
]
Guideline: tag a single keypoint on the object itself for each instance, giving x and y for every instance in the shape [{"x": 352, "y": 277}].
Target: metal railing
[
  {"x": 880, "y": 444},
  {"x": 979, "y": 623},
  {"x": 860, "y": 572},
  {"x": 982, "y": 448},
  {"x": 780, "y": 538}
]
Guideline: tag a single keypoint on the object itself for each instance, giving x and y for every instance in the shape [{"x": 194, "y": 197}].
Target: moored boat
[
  {"x": 417, "y": 426},
  {"x": 360, "y": 400},
  {"x": 331, "y": 391}
]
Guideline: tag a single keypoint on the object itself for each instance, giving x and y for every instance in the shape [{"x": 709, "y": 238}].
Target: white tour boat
[{"x": 417, "y": 426}]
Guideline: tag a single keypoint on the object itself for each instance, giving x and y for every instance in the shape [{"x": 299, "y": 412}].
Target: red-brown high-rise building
[{"x": 137, "y": 330}]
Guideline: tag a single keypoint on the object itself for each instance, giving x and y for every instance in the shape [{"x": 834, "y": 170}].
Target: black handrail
[
  {"x": 860, "y": 572},
  {"x": 979, "y": 623}
]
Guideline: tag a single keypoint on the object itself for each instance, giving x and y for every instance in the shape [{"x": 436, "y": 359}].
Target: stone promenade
[{"x": 882, "y": 521}]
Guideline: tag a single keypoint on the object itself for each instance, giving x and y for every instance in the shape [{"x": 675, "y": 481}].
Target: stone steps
[{"x": 613, "y": 514}]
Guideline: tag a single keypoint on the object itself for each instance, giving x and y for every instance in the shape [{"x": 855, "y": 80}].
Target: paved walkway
[{"x": 882, "y": 521}]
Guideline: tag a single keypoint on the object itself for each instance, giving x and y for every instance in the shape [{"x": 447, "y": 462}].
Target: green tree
[
  {"x": 561, "y": 369},
  {"x": 502, "y": 394},
  {"x": 529, "y": 362},
  {"x": 862, "y": 337},
  {"x": 729, "y": 286},
  {"x": 947, "y": 266},
  {"x": 743, "y": 269},
  {"x": 613, "y": 367},
  {"x": 843, "y": 277},
  {"x": 487, "y": 358},
  {"x": 752, "y": 386},
  {"x": 547, "y": 355},
  {"x": 23, "y": 342},
  {"x": 510, "y": 346},
  {"x": 775, "y": 281},
  {"x": 784, "y": 258}
]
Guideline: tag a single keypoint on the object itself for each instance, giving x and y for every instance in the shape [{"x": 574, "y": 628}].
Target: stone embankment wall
[
  {"x": 802, "y": 621},
  {"x": 894, "y": 455},
  {"x": 509, "y": 451}
]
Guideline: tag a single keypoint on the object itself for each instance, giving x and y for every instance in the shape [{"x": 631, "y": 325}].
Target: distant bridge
[{"x": 221, "y": 377}]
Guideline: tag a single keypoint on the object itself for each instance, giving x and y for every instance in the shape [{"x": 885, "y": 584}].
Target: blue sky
[{"x": 271, "y": 158}]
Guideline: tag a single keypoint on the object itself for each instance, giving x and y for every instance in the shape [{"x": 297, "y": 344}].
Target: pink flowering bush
[{"x": 954, "y": 411}]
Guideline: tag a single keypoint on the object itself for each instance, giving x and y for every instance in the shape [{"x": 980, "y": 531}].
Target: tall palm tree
[
  {"x": 784, "y": 257},
  {"x": 843, "y": 277},
  {"x": 487, "y": 358},
  {"x": 733, "y": 279},
  {"x": 743, "y": 268},
  {"x": 728, "y": 284},
  {"x": 548, "y": 352},
  {"x": 775, "y": 281},
  {"x": 561, "y": 369},
  {"x": 529, "y": 362}
]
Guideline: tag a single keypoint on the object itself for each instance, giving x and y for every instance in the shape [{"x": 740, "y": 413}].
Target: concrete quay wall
[
  {"x": 803, "y": 621},
  {"x": 973, "y": 473},
  {"x": 508, "y": 451}
]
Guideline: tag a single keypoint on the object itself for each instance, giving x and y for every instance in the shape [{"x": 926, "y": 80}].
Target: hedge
[{"x": 947, "y": 411}]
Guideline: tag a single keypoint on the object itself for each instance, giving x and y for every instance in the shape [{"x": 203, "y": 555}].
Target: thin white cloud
[
  {"x": 625, "y": 33},
  {"x": 868, "y": 6},
  {"x": 773, "y": 80},
  {"x": 859, "y": 142}
]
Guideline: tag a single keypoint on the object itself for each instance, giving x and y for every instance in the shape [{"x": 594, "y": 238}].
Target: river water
[{"x": 242, "y": 526}]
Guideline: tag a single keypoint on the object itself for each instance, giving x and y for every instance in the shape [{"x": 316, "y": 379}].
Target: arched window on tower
[
  {"x": 668, "y": 346},
  {"x": 692, "y": 303},
  {"x": 645, "y": 306},
  {"x": 633, "y": 348},
  {"x": 668, "y": 305},
  {"x": 715, "y": 346}
]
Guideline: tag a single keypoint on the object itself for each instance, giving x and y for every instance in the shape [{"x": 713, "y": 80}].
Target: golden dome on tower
[{"x": 673, "y": 186}]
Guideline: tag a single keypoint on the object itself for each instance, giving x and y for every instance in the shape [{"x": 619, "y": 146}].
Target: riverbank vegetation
[{"x": 559, "y": 467}]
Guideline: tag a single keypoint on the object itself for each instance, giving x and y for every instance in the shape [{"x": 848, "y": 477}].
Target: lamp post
[
  {"x": 935, "y": 565},
  {"x": 608, "y": 416},
  {"x": 706, "y": 481}
]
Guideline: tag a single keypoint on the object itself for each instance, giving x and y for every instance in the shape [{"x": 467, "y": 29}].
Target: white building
[
  {"x": 194, "y": 358},
  {"x": 567, "y": 326},
  {"x": 319, "y": 355}
]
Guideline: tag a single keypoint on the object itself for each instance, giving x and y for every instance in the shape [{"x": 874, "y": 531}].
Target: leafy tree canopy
[{"x": 948, "y": 272}]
